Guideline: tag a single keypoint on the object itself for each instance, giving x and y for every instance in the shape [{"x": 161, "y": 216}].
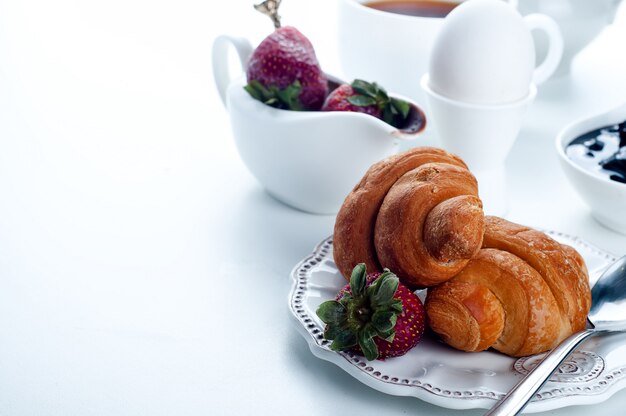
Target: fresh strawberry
[
  {"x": 374, "y": 315},
  {"x": 283, "y": 70},
  {"x": 369, "y": 98},
  {"x": 345, "y": 98}
]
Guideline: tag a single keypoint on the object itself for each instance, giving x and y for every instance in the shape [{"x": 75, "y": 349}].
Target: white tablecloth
[{"x": 143, "y": 270}]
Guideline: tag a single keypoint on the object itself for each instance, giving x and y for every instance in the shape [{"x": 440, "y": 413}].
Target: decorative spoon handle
[{"x": 519, "y": 396}]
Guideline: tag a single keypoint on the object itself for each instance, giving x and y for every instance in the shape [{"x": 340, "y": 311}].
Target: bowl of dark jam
[{"x": 593, "y": 156}]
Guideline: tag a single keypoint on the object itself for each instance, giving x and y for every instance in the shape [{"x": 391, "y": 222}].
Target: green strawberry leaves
[
  {"x": 285, "y": 99},
  {"x": 343, "y": 341},
  {"x": 366, "y": 342},
  {"x": 383, "y": 289},
  {"x": 394, "y": 110},
  {"x": 384, "y": 321},
  {"x": 361, "y": 100},
  {"x": 358, "y": 280},
  {"x": 332, "y": 312},
  {"x": 363, "y": 313}
]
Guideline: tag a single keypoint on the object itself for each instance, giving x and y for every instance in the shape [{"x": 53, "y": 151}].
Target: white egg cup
[
  {"x": 482, "y": 135},
  {"x": 389, "y": 48}
]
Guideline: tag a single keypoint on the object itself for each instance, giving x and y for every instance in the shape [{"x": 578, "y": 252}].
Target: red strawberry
[
  {"x": 341, "y": 99},
  {"x": 369, "y": 98},
  {"x": 283, "y": 72},
  {"x": 374, "y": 315}
]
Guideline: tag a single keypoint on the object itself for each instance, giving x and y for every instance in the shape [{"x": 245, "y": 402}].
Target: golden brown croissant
[
  {"x": 522, "y": 294},
  {"x": 416, "y": 213}
]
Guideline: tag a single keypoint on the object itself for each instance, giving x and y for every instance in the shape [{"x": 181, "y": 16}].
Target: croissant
[
  {"x": 522, "y": 294},
  {"x": 416, "y": 213}
]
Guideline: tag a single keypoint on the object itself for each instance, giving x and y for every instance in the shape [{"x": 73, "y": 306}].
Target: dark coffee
[{"x": 422, "y": 8}]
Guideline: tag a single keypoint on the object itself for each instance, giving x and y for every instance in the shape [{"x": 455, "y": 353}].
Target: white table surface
[{"x": 143, "y": 270}]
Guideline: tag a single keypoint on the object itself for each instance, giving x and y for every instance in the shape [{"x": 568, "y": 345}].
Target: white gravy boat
[{"x": 309, "y": 160}]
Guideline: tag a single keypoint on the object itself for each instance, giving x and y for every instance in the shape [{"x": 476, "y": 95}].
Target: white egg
[{"x": 484, "y": 54}]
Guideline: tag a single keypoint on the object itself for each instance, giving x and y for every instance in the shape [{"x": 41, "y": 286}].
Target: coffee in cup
[{"x": 421, "y": 8}]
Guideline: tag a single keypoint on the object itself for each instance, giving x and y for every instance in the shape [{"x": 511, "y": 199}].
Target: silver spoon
[{"x": 607, "y": 314}]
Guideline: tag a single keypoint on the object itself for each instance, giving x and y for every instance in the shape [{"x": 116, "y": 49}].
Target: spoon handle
[{"x": 516, "y": 399}]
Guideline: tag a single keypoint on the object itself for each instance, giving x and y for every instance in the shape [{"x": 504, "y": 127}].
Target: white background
[{"x": 143, "y": 271}]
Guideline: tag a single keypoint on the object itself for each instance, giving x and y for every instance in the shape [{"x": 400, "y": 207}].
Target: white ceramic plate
[{"x": 440, "y": 375}]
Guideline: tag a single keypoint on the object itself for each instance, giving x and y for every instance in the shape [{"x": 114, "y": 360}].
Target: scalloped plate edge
[{"x": 321, "y": 251}]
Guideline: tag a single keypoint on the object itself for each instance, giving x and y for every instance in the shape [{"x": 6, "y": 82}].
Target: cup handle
[
  {"x": 221, "y": 73},
  {"x": 538, "y": 21}
]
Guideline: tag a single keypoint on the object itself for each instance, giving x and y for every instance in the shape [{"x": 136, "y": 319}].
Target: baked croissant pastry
[
  {"x": 416, "y": 213},
  {"x": 522, "y": 294}
]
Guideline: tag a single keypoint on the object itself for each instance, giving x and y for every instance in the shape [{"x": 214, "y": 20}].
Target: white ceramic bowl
[
  {"x": 309, "y": 160},
  {"x": 605, "y": 197},
  {"x": 580, "y": 21}
]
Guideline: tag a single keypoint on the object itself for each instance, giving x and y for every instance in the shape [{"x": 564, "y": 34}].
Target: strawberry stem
[
  {"x": 394, "y": 111},
  {"x": 286, "y": 98},
  {"x": 270, "y": 8},
  {"x": 363, "y": 313}
]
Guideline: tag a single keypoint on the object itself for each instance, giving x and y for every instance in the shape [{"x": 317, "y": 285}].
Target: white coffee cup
[
  {"x": 580, "y": 21},
  {"x": 389, "y": 48}
]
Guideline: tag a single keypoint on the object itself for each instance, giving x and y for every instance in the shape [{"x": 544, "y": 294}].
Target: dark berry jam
[{"x": 602, "y": 151}]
